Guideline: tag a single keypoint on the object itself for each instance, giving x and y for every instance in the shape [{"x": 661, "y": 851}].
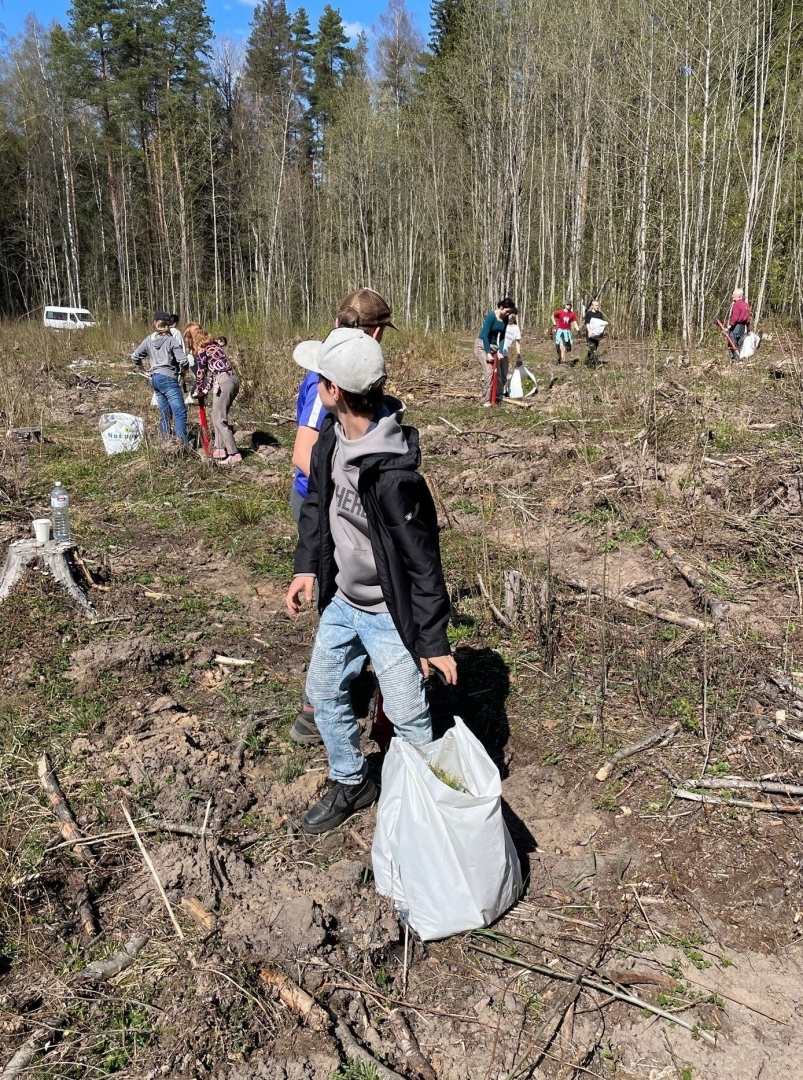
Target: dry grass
[{"x": 572, "y": 486}]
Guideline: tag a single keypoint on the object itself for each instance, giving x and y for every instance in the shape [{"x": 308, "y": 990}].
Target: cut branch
[
  {"x": 497, "y": 614},
  {"x": 715, "y": 800},
  {"x": 664, "y": 614},
  {"x": 716, "y": 609},
  {"x": 67, "y": 826},
  {"x": 101, "y": 970},
  {"x": 38, "y": 1043},
  {"x": 595, "y": 984},
  {"x": 770, "y": 787},
  {"x": 653, "y": 739}
]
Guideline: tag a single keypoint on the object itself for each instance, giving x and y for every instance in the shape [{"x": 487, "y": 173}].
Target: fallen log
[
  {"x": 38, "y": 1043},
  {"x": 747, "y": 804},
  {"x": 67, "y": 826},
  {"x": 716, "y": 609},
  {"x": 659, "y": 736},
  {"x": 663, "y": 614},
  {"x": 101, "y": 970}
]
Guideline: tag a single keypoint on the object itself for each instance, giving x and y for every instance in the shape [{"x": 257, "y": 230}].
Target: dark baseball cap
[{"x": 161, "y": 316}]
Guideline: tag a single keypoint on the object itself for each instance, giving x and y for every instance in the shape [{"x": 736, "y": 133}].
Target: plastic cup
[{"x": 41, "y": 528}]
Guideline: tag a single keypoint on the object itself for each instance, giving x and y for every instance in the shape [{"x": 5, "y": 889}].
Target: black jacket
[{"x": 403, "y": 528}]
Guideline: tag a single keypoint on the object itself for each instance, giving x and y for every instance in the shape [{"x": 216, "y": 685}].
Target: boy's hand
[
  {"x": 444, "y": 664},
  {"x": 297, "y": 586}
]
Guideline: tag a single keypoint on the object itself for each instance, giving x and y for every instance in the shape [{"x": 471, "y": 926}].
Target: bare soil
[{"x": 695, "y": 909}]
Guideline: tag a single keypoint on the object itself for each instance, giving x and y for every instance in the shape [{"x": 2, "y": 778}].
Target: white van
[{"x": 68, "y": 318}]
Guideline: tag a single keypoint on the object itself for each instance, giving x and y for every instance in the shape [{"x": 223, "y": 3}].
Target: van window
[{"x": 72, "y": 317}]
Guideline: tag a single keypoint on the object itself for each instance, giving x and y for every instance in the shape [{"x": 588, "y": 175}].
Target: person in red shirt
[
  {"x": 738, "y": 321},
  {"x": 565, "y": 321}
]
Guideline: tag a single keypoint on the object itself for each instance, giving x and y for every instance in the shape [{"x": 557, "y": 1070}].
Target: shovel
[
  {"x": 731, "y": 342},
  {"x": 203, "y": 423}
]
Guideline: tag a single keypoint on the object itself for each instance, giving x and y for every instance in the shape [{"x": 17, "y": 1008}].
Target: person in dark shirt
[
  {"x": 593, "y": 319},
  {"x": 489, "y": 350}
]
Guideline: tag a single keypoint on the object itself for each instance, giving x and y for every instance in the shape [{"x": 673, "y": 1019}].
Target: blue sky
[{"x": 231, "y": 17}]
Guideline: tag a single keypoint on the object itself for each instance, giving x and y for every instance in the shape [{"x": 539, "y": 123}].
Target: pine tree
[
  {"x": 330, "y": 57},
  {"x": 268, "y": 57}
]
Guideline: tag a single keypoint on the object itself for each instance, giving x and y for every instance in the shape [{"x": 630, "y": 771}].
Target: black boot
[{"x": 338, "y": 804}]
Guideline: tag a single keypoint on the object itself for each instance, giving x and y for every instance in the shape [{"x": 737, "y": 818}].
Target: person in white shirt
[{"x": 512, "y": 341}]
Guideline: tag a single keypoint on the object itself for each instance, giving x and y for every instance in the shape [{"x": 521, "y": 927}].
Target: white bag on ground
[
  {"x": 121, "y": 432},
  {"x": 516, "y": 388},
  {"x": 749, "y": 345},
  {"x": 444, "y": 856}
]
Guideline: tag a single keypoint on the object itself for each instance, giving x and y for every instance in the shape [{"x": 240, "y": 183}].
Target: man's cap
[
  {"x": 161, "y": 316},
  {"x": 365, "y": 308},
  {"x": 348, "y": 357}
]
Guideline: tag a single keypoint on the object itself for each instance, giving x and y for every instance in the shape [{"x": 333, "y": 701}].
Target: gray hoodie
[
  {"x": 164, "y": 353},
  {"x": 357, "y": 581}
]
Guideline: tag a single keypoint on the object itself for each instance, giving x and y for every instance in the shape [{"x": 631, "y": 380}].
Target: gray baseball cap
[{"x": 348, "y": 357}]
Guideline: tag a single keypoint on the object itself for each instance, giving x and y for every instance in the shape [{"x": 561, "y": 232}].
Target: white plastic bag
[
  {"x": 121, "y": 432},
  {"x": 516, "y": 389},
  {"x": 444, "y": 856},
  {"x": 596, "y": 327},
  {"x": 749, "y": 345}
]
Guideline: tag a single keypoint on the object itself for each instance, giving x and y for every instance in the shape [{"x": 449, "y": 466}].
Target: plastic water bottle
[{"x": 60, "y": 512}]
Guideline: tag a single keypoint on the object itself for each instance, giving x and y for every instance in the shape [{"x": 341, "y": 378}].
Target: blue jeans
[
  {"x": 171, "y": 403},
  {"x": 345, "y": 637}
]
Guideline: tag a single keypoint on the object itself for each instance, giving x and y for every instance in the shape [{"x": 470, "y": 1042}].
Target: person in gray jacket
[{"x": 166, "y": 361}]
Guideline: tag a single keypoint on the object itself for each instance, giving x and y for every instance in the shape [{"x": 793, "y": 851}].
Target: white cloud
[
  {"x": 249, "y": 3},
  {"x": 351, "y": 29}
]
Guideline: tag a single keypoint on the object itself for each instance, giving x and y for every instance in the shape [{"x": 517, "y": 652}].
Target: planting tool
[
  {"x": 203, "y": 423},
  {"x": 731, "y": 342},
  {"x": 495, "y": 377}
]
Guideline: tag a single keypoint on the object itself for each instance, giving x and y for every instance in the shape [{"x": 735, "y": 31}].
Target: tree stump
[{"x": 51, "y": 556}]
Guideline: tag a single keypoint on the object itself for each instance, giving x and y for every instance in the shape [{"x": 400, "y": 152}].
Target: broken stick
[
  {"x": 67, "y": 826},
  {"x": 302, "y": 1003},
  {"x": 715, "y": 800},
  {"x": 663, "y": 733},
  {"x": 716, "y": 609},
  {"x": 320, "y": 1019},
  {"x": 497, "y": 614},
  {"x": 408, "y": 1044},
  {"x": 664, "y": 614},
  {"x": 101, "y": 970},
  {"x": 86, "y": 913},
  {"x": 154, "y": 875},
  {"x": 38, "y": 1043}
]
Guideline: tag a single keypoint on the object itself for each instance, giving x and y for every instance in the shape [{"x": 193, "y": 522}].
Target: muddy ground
[{"x": 694, "y": 909}]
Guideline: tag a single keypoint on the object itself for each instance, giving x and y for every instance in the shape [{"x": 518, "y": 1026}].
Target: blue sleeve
[
  {"x": 485, "y": 333},
  {"x": 310, "y": 411}
]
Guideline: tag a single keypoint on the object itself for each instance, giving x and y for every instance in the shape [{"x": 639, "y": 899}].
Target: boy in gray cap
[{"x": 368, "y": 533}]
